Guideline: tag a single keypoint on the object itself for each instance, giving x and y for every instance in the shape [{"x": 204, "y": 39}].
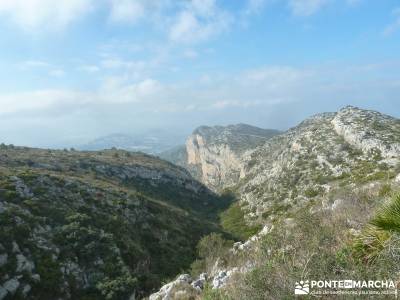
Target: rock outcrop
[
  {"x": 369, "y": 130},
  {"x": 217, "y": 152}
]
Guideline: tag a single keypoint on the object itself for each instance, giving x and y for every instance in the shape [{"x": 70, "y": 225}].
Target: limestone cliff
[{"x": 216, "y": 152}]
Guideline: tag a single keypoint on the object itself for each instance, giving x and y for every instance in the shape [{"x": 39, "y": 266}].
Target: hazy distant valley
[{"x": 151, "y": 142}]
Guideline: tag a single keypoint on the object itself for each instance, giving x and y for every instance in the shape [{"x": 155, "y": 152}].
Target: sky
[{"x": 74, "y": 70}]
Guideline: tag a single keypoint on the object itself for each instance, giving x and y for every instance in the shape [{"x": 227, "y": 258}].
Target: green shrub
[
  {"x": 213, "y": 246},
  {"x": 233, "y": 222},
  {"x": 311, "y": 192},
  {"x": 214, "y": 294}
]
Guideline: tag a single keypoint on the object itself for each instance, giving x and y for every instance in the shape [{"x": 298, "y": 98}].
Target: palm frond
[
  {"x": 370, "y": 243},
  {"x": 388, "y": 218}
]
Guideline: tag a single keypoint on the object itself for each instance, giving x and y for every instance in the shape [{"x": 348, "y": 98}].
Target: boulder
[
  {"x": 200, "y": 282},
  {"x": 219, "y": 280},
  {"x": 165, "y": 293}
]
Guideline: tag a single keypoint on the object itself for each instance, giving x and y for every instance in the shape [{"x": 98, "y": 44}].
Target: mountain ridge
[{"x": 331, "y": 172}]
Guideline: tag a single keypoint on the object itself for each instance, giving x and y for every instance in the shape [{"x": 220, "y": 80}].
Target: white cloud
[
  {"x": 112, "y": 93},
  {"x": 117, "y": 91},
  {"x": 223, "y": 104},
  {"x": 306, "y": 7},
  {"x": 199, "y": 21},
  {"x": 254, "y": 6},
  {"x": 33, "y": 64},
  {"x": 395, "y": 25},
  {"x": 190, "y": 53},
  {"x": 127, "y": 11},
  {"x": 36, "y": 100},
  {"x": 39, "y": 14},
  {"x": 243, "y": 97},
  {"x": 57, "y": 73},
  {"x": 89, "y": 68}
]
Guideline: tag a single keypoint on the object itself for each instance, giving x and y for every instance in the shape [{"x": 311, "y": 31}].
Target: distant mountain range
[{"x": 152, "y": 142}]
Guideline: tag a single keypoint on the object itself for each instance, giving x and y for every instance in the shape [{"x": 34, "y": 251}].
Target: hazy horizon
[{"x": 133, "y": 66}]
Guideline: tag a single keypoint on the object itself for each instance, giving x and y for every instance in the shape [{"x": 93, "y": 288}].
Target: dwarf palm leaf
[
  {"x": 370, "y": 243},
  {"x": 388, "y": 218}
]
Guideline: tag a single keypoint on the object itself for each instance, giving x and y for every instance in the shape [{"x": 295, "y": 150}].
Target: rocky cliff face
[{"x": 217, "y": 152}]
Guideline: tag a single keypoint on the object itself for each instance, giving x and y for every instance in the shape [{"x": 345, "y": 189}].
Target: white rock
[
  {"x": 337, "y": 203},
  {"x": 3, "y": 259},
  {"x": 27, "y": 288},
  {"x": 397, "y": 180},
  {"x": 36, "y": 277},
  {"x": 266, "y": 229},
  {"x": 23, "y": 264},
  {"x": 11, "y": 285},
  {"x": 165, "y": 292},
  {"x": 219, "y": 280},
  {"x": 15, "y": 248},
  {"x": 184, "y": 278}
]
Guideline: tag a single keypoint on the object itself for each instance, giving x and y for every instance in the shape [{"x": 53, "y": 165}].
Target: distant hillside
[
  {"x": 96, "y": 225},
  {"x": 239, "y": 137}
]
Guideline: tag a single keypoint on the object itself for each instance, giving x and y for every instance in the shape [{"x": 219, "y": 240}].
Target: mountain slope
[
  {"x": 325, "y": 152},
  {"x": 213, "y": 153},
  {"x": 313, "y": 190},
  {"x": 95, "y": 225}
]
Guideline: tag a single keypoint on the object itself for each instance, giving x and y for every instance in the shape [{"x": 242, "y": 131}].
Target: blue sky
[{"x": 72, "y": 70}]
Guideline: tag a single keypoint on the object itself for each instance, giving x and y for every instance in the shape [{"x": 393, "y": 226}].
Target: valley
[{"x": 235, "y": 211}]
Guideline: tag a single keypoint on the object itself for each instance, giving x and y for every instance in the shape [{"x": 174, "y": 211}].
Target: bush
[
  {"x": 233, "y": 222},
  {"x": 210, "y": 248},
  {"x": 213, "y": 246},
  {"x": 385, "y": 190},
  {"x": 311, "y": 192}
]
